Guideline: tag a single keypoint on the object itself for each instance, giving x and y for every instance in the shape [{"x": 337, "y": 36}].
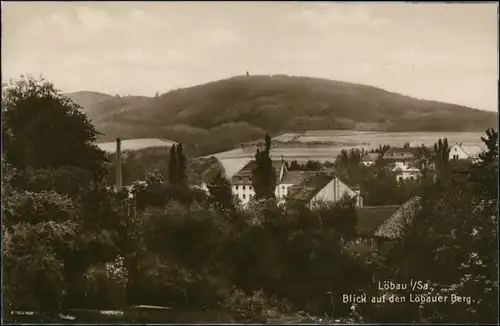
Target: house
[
  {"x": 369, "y": 220},
  {"x": 369, "y": 159},
  {"x": 322, "y": 187},
  {"x": 400, "y": 160},
  {"x": 290, "y": 179},
  {"x": 203, "y": 187},
  {"x": 402, "y": 154},
  {"x": 394, "y": 226},
  {"x": 241, "y": 182},
  {"x": 404, "y": 171},
  {"x": 465, "y": 152},
  {"x": 383, "y": 225}
]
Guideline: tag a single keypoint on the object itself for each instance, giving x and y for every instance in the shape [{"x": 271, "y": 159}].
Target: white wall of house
[
  {"x": 408, "y": 175},
  {"x": 243, "y": 192},
  {"x": 368, "y": 163},
  {"x": 282, "y": 190},
  {"x": 405, "y": 172},
  {"x": 333, "y": 192},
  {"x": 457, "y": 152}
]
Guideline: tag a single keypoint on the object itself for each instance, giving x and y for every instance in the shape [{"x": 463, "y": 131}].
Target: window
[
  {"x": 455, "y": 157},
  {"x": 244, "y": 187},
  {"x": 249, "y": 179},
  {"x": 282, "y": 187},
  {"x": 237, "y": 187},
  {"x": 400, "y": 179},
  {"x": 244, "y": 196},
  {"x": 411, "y": 178}
]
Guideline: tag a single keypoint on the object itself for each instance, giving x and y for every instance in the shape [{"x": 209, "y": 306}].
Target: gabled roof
[
  {"x": 400, "y": 153},
  {"x": 393, "y": 227},
  {"x": 369, "y": 157},
  {"x": 329, "y": 170},
  {"x": 296, "y": 177},
  {"x": 310, "y": 187},
  {"x": 471, "y": 150},
  {"x": 244, "y": 176},
  {"x": 371, "y": 217},
  {"x": 233, "y": 165},
  {"x": 247, "y": 169}
]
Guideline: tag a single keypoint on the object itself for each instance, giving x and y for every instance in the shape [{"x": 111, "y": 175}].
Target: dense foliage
[
  {"x": 69, "y": 241},
  {"x": 264, "y": 174}
]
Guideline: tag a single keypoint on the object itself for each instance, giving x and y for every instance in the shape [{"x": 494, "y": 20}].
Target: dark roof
[
  {"x": 369, "y": 157},
  {"x": 400, "y": 153},
  {"x": 252, "y": 164},
  {"x": 371, "y": 217},
  {"x": 296, "y": 177},
  {"x": 247, "y": 169},
  {"x": 329, "y": 170},
  {"x": 242, "y": 177},
  {"x": 310, "y": 187},
  {"x": 394, "y": 226}
]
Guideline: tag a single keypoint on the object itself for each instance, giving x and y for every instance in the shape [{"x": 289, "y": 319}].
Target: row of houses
[
  {"x": 400, "y": 159},
  {"x": 308, "y": 186}
]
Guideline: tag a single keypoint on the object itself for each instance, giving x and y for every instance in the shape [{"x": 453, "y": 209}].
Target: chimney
[{"x": 118, "y": 165}]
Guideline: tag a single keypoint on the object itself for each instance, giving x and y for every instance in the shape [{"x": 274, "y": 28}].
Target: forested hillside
[{"x": 217, "y": 116}]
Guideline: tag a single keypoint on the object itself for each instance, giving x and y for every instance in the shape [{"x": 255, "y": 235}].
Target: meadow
[
  {"x": 359, "y": 139},
  {"x": 135, "y": 144}
]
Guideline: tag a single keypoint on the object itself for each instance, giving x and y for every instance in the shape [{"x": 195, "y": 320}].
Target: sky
[{"x": 439, "y": 51}]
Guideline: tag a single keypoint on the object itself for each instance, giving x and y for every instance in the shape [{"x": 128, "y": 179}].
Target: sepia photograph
[{"x": 233, "y": 162}]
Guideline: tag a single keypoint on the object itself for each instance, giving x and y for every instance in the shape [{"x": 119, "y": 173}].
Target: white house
[
  {"x": 286, "y": 181},
  {"x": 404, "y": 171},
  {"x": 323, "y": 188},
  {"x": 400, "y": 159},
  {"x": 369, "y": 159},
  {"x": 465, "y": 152},
  {"x": 241, "y": 182}
]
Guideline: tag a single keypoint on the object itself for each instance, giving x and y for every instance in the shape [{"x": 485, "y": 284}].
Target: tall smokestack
[{"x": 118, "y": 165}]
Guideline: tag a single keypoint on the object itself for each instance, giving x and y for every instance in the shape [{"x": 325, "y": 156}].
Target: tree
[
  {"x": 312, "y": 166},
  {"x": 264, "y": 174},
  {"x": 451, "y": 242},
  {"x": 442, "y": 155},
  {"x": 181, "y": 164},
  {"x": 491, "y": 141},
  {"x": 423, "y": 160},
  {"x": 173, "y": 166},
  {"x": 294, "y": 166},
  {"x": 43, "y": 129},
  {"x": 485, "y": 172},
  {"x": 220, "y": 193},
  {"x": 177, "y": 166}
]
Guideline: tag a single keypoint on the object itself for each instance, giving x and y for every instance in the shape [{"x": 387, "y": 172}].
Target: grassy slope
[{"x": 217, "y": 116}]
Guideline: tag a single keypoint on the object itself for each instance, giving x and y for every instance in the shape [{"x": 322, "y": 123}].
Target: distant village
[{"x": 324, "y": 185}]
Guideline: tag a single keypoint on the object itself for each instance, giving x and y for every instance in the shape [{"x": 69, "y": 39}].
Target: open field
[
  {"x": 135, "y": 144},
  {"x": 360, "y": 139}
]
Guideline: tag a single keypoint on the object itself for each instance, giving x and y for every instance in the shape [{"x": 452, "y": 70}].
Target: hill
[{"x": 217, "y": 116}]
